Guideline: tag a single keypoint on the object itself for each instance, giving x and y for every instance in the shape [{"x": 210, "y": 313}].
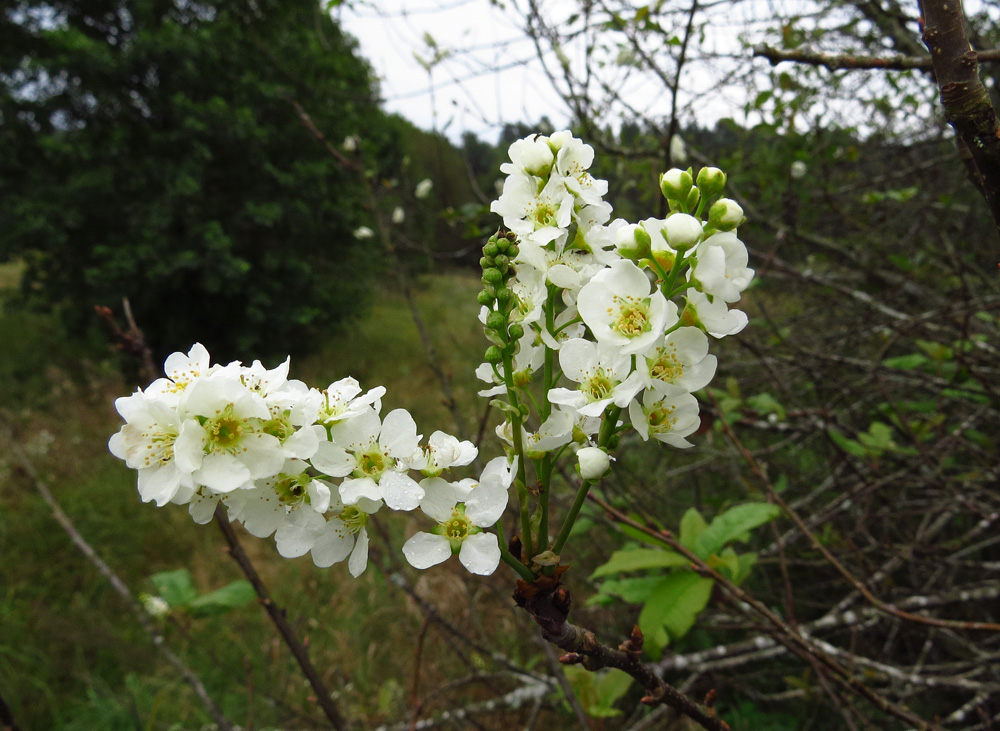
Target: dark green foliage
[{"x": 152, "y": 150}]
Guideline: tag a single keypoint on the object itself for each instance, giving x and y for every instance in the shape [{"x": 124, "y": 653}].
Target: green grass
[{"x": 72, "y": 656}]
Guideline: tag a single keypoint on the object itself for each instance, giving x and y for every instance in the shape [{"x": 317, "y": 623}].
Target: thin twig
[
  {"x": 120, "y": 587},
  {"x": 277, "y": 616}
]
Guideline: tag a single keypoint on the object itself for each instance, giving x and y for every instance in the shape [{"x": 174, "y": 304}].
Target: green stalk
[
  {"x": 607, "y": 432},
  {"x": 508, "y": 558},
  {"x": 522, "y": 491}
]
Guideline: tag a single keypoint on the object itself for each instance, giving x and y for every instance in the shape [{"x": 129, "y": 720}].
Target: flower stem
[{"x": 508, "y": 558}]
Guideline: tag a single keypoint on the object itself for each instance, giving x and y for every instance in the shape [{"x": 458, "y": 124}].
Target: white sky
[{"x": 493, "y": 76}]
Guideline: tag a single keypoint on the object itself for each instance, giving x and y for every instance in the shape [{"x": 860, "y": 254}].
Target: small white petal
[
  {"x": 424, "y": 550},
  {"x": 480, "y": 553}
]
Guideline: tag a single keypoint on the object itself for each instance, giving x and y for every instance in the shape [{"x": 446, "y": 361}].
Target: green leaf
[
  {"x": 598, "y": 691},
  {"x": 733, "y": 525},
  {"x": 746, "y": 562},
  {"x": 848, "y": 445},
  {"x": 638, "y": 559},
  {"x": 765, "y": 404},
  {"x": 675, "y": 603},
  {"x": 906, "y": 362},
  {"x": 634, "y": 590},
  {"x": 175, "y": 587},
  {"x": 692, "y": 526},
  {"x": 231, "y": 596}
]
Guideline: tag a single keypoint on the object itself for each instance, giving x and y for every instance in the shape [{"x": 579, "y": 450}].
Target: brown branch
[
  {"x": 548, "y": 603},
  {"x": 120, "y": 587},
  {"x": 785, "y": 634},
  {"x": 883, "y": 606},
  {"x": 855, "y": 62},
  {"x": 965, "y": 100},
  {"x": 277, "y": 615}
]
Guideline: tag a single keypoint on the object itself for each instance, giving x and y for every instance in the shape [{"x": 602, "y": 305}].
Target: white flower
[
  {"x": 350, "y": 143},
  {"x": 720, "y": 269},
  {"x": 146, "y": 443},
  {"x": 442, "y": 452},
  {"x": 423, "y": 188},
  {"x": 341, "y": 400},
  {"x": 715, "y": 318},
  {"x": 221, "y": 440},
  {"x": 725, "y": 214},
  {"x": 680, "y": 358},
  {"x": 363, "y": 232},
  {"x": 398, "y": 214},
  {"x": 619, "y": 309},
  {"x": 678, "y": 150},
  {"x": 594, "y": 462},
  {"x": 798, "y": 170},
  {"x": 531, "y": 155},
  {"x": 182, "y": 370},
  {"x": 536, "y": 215},
  {"x": 331, "y": 539},
  {"x": 603, "y": 372},
  {"x": 155, "y": 606},
  {"x": 668, "y": 413},
  {"x": 375, "y": 454},
  {"x": 460, "y": 527}
]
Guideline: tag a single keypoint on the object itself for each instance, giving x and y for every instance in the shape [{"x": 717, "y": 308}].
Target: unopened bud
[
  {"x": 632, "y": 242},
  {"x": 711, "y": 181},
  {"x": 594, "y": 462},
  {"x": 693, "y": 196},
  {"x": 496, "y": 320},
  {"x": 494, "y": 354},
  {"x": 493, "y": 276},
  {"x": 675, "y": 184},
  {"x": 516, "y": 331},
  {"x": 491, "y": 249},
  {"x": 725, "y": 215},
  {"x": 485, "y": 298},
  {"x": 682, "y": 231}
]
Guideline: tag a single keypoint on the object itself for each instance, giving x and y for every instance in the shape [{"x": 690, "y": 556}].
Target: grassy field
[{"x": 71, "y": 654}]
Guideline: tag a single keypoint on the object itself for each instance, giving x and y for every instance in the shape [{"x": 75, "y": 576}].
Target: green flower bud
[
  {"x": 504, "y": 296},
  {"x": 494, "y": 354},
  {"x": 516, "y": 331},
  {"x": 525, "y": 411},
  {"x": 486, "y": 262},
  {"x": 502, "y": 263},
  {"x": 693, "y": 196},
  {"x": 485, "y": 298},
  {"x": 711, "y": 181},
  {"x": 675, "y": 184},
  {"x": 633, "y": 242},
  {"x": 496, "y": 320},
  {"x": 503, "y": 245},
  {"x": 491, "y": 249},
  {"x": 493, "y": 276},
  {"x": 513, "y": 250},
  {"x": 725, "y": 215}
]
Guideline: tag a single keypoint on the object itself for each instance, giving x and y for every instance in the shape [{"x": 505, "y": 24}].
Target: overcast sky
[{"x": 492, "y": 76}]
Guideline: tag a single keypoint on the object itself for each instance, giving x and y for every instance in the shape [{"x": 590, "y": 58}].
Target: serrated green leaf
[
  {"x": 237, "y": 594},
  {"x": 675, "y": 603},
  {"x": 732, "y": 525},
  {"x": 176, "y": 587},
  {"x": 637, "y": 559},
  {"x": 692, "y": 526}
]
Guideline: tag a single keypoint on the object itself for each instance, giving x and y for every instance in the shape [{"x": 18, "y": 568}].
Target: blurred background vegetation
[{"x": 193, "y": 157}]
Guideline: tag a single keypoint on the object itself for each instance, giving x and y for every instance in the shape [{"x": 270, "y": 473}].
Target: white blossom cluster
[
  {"x": 306, "y": 465},
  {"x": 634, "y": 301}
]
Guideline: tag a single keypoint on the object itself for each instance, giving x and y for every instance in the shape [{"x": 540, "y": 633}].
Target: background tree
[{"x": 152, "y": 150}]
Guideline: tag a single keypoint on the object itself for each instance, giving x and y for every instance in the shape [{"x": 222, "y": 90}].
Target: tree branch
[
  {"x": 548, "y": 603},
  {"x": 850, "y": 61},
  {"x": 964, "y": 98},
  {"x": 277, "y": 615}
]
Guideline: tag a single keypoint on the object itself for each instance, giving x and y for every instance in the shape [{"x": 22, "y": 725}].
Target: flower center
[
  {"x": 353, "y": 518},
  {"x": 226, "y": 431},
  {"x": 661, "y": 419},
  {"x": 666, "y": 368},
  {"x": 633, "y": 317},
  {"x": 292, "y": 489},
  {"x": 599, "y": 386},
  {"x": 544, "y": 214},
  {"x": 370, "y": 464},
  {"x": 159, "y": 447}
]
